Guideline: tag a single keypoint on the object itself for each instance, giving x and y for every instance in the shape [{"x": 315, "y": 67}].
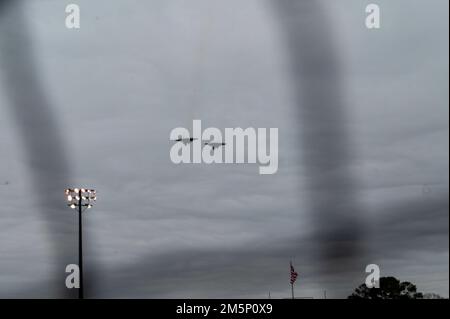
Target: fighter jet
[
  {"x": 185, "y": 140},
  {"x": 214, "y": 145}
]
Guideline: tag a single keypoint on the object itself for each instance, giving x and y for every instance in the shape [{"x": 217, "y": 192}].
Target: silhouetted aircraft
[
  {"x": 185, "y": 140},
  {"x": 214, "y": 145}
]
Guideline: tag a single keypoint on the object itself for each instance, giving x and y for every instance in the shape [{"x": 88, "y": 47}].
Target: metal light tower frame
[{"x": 83, "y": 199}]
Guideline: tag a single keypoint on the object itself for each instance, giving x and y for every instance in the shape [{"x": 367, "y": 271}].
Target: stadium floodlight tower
[{"x": 82, "y": 199}]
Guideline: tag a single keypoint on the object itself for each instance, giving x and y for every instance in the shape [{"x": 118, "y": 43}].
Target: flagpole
[{"x": 292, "y": 289}]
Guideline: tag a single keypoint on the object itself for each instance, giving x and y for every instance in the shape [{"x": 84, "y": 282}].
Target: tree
[{"x": 390, "y": 288}]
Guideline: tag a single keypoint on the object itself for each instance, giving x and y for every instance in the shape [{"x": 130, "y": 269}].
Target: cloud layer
[{"x": 363, "y": 167}]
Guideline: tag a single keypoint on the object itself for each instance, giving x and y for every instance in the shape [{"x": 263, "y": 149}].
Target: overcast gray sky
[{"x": 363, "y": 146}]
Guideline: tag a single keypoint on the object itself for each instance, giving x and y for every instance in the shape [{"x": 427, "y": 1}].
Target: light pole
[{"x": 83, "y": 199}]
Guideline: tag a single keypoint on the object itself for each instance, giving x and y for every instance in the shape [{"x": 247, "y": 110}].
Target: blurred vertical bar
[
  {"x": 325, "y": 140},
  {"x": 40, "y": 135}
]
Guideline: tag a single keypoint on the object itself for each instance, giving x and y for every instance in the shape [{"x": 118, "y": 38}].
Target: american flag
[{"x": 294, "y": 275}]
